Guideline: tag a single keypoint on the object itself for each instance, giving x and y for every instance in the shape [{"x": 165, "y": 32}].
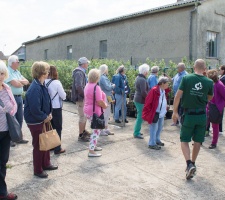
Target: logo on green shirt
[
  {"x": 198, "y": 86},
  {"x": 196, "y": 90}
]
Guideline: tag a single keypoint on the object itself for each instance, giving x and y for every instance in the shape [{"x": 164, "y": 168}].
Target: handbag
[
  {"x": 214, "y": 114},
  {"x": 15, "y": 131},
  {"x": 97, "y": 122},
  {"x": 48, "y": 139},
  {"x": 156, "y": 116}
]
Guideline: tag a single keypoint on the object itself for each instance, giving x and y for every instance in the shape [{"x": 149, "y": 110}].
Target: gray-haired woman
[
  {"x": 107, "y": 88},
  {"x": 141, "y": 92},
  {"x": 156, "y": 102},
  {"x": 152, "y": 79},
  {"x": 10, "y": 106}
]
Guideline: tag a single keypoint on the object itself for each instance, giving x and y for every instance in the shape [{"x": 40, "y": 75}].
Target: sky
[{"x": 24, "y": 20}]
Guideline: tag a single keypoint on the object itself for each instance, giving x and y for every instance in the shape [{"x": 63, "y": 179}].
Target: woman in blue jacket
[
  {"x": 107, "y": 88},
  {"x": 121, "y": 90},
  {"x": 37, "y": 110}
]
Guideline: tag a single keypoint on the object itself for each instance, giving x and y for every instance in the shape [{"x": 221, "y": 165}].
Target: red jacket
[
  {"x": 151, "y": 104},
  {"x": 167, "y": 91}
]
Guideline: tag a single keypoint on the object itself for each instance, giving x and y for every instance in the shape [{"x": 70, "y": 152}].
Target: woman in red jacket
[{"x": 155, "y": 104}]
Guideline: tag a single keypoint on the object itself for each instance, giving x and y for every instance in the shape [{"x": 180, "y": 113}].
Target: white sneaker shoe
[
  {"x": 94, "y": 154},
  {"x": 98, "y": 149},
  {"x": 109, "y": 132},
  {"x": 221, "y": 133},
  {"x": 103, "y": 133}
]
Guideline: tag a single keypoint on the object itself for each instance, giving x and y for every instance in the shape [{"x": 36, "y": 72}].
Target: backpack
[{"x": 47, "y": 87}]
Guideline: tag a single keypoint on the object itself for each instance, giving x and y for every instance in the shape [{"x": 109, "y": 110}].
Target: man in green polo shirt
[
  {"x": 16, "y": 82},
  {"x": 196, "y": 90}
]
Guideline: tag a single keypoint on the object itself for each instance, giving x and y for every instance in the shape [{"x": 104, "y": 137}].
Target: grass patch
[{"x": 8, "y": 166}]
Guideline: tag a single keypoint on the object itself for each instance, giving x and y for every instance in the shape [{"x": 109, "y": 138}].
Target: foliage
[
  {"x": 65, "y": 68},
  {"x": 8, "y": 166}
]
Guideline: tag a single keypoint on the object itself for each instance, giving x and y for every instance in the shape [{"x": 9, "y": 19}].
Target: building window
[
  {"x": 103, "y": 49},
  {"x": 46, "y": 54},
  {"x": 212, "y": 43},
  {"x": 69, "y": 52}
]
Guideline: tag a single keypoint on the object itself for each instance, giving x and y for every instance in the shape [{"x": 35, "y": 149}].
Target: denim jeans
[
  {"x": 155, "y": 131},
  {"x": 118, "y": 106},
  {"x": 57, "y": 124},
  {"x": 19, "y": 113},
  {"x": 4, "y": 157},
  {"x": 138, "y": 123}
]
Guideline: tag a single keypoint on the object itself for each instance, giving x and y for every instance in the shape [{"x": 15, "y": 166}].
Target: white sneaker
[
  {"x": 221, "y": 133},
  {"x": 98, "y": 149},
  {"x": 94, "y": 154},
  {"x": 109, "y": 132},
  {"x": 103, "y": 133}
]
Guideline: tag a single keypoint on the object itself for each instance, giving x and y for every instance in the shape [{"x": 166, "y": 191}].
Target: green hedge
[{"x": 65, "y": 68}]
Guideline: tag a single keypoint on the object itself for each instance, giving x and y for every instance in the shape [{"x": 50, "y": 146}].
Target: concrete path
[{"x": 126, "y": 170}]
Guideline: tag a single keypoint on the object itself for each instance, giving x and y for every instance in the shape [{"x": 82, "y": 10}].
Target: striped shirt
[{"x": 4, "y": 96}]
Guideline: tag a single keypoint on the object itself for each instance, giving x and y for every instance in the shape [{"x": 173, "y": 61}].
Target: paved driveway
[{"x": 126, "y": 170}]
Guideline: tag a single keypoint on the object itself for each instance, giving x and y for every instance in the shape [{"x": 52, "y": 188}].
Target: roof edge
[
  {"x": 173, "y": 6},
  {"x": 17, "y": 49}
]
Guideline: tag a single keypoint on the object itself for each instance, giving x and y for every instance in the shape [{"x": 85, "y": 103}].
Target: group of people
[
  {"x": 105, "y": 92},
  {"x": 193, "y": 93},
  {"x": 43, "y": 104},
  {"x": 150, "y": 100},
  {"x": 94, "y": 93}
]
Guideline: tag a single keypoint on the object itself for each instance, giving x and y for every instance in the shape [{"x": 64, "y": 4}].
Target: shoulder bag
[
  {"x": 214, "y": 114},
  {"x": 98, "y": 122},
  {"x": 156, "y": 116},
  {"x": 13, "y": 125}
]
